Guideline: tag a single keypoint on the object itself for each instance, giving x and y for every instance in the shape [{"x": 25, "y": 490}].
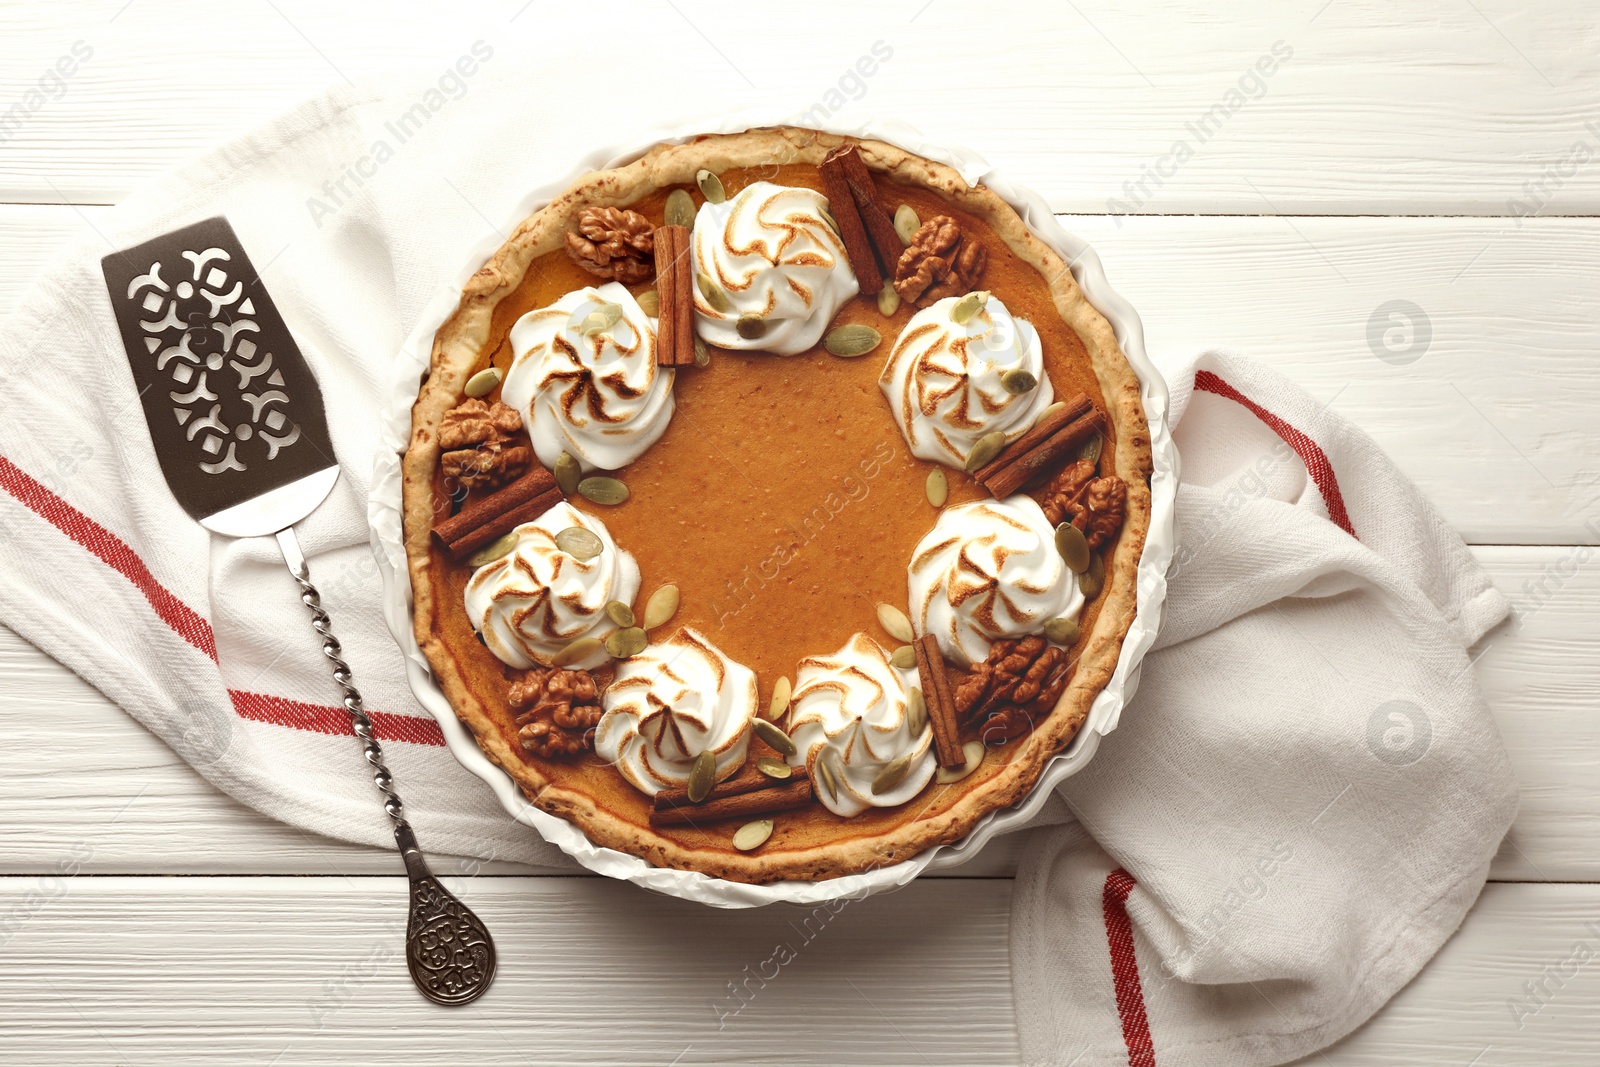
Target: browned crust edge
[{"x": 457, "y": 345}]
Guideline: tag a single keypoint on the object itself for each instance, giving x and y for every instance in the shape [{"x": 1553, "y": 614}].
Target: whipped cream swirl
[
  {"x": 942, "y": 379},
  {"x": 672, "y": 702},
  {"x": 598, "y": 395},
  {"x": 850, "y": 713},
  {"x": 987, "y": 570},
  {"x": 534, "y": 601},
  {"x": 772, "y": 254}
]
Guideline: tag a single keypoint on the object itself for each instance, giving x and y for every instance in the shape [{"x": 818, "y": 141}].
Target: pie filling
[{"x": 776, "y": 510}]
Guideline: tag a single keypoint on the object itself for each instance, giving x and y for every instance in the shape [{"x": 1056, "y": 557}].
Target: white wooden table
[{"x": 1438, "y": 156}]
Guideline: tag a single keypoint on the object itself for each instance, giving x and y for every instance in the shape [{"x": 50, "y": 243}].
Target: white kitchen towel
[
  {"x": 1301, "y": 802},
  {"x": 1303, "y": 797}
]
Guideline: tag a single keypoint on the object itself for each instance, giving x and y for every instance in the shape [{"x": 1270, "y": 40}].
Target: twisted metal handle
[
  {"x": 449, "y": 952},
  {"x": 360, "y": 723}
]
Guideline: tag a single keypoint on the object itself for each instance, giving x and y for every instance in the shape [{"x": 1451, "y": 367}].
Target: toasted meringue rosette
[
  {"x": 531, "y": 603},
  {"x": 774, "y": 261},
  {"x": 989, "y": 569},
  {"x": 946, "y": 380},
  {"x": 670, "y": 703},
  {"x": 584, "y": 377},
  {"x": 852, "y": 714}
]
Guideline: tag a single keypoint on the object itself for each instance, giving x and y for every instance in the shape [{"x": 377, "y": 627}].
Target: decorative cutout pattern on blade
[{"x": 232, "y": 408}]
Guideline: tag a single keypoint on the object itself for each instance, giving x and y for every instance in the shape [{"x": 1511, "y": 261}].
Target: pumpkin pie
[{"x": 773, "y": 505}]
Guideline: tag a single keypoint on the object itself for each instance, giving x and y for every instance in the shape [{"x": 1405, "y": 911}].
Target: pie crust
[{"x": 818, "y": 845}]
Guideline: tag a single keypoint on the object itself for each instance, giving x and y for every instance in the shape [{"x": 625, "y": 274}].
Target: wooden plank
[
  {"x": 1540, "y": 674},
  {"x": 1494, "y": 418},
  {"x": 80, "y": 770},
  {"x": 130, "y": 970},
  {"x": 1439, "y": 107},
  {"x": 288, "y": 970},
  {"x": 1504, "y": 322}
]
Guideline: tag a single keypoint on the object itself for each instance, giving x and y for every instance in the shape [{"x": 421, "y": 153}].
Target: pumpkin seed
[
  {"x": 774, "y": 768},
  {"x": 938, "y": 487},
  {"x": 894, "y": 772},
  {"x": 483, "y": 383},
  {"x": 894, "y": 621},
  {"x": 888, "y": 300},
  {"x": 601, "y": 319},
  {"x": 679, "y": 209},
  {"x": 492, "y": 551},
  {"x": 985, "y": 449},
  {"x": 1047, "y": 412},
  {"x": 576, "y": 651},
  {"x": 603, "y": 490},
  {"x": 712, "y": 292},
  {"x": 773, "y": 736},
  {"x": 750, "y": 327},
  {"x": 968, "y": 306},
  {"x": 1091, "y": 581},
  {"x": 973, "y": 751},
  {"x": 568, "y": 472},
  {"x": 782, "y": 693},
  {"x": 702, "y": 776},
  {"x": 856, "y": 339},
  {"x": 1091, "y": 449},
  {"x": 904, "y": 658},
  {"x": 906, "y": 222},
  {"x": 1073, "y": 548},
  {"x": 1062, "y": 631},
  {"x": 649, "y": 302},
  {"x": 752, "y": 835},
  {"x": 823, "y": 775},
  {"x": 579, "y": 543},
  {"x": 916, "y": 711},
  {"x": 1017, "y": 381},
  {"x": 629, "y": 641},
  {"x": 702, "y": 354},
  {"x": 710, "y": 187},
  {"x": 620, "y": 613},
  {"x": 662, "y": 605}
]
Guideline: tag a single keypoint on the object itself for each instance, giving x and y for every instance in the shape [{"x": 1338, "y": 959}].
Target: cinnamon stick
[
  {"x": 674, "y": 279},
  {"x": 880, "y": 227},
  {"x": 857, "y": 245},
  {"x": 940, "y": 701},
  {"x": 683, "y": 280},
  {"x": 747, "y": 780},
  {"x": 1040, "y": 459},
  {"x": 497, "y": 514},
  {"x": 1047, "y": 428},
  {"x": 785, "y": 797}
]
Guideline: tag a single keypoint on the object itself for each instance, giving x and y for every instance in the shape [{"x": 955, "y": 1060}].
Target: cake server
[{"x": 237, "y": 422}]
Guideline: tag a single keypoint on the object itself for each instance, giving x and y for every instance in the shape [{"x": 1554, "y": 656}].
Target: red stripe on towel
[
  {"x": 1125, "y": 970},
  {"x": 323, "y": 720},
  {"x": 112, "y": 551},
  {"x": 1311, "y": 453}
]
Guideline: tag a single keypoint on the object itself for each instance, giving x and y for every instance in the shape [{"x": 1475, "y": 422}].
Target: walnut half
[
  {"x": 1014, "y": 688},
  {"x": 557, "y": 711},
  {"x": 483, "y": 445},
  {"x": 940, "y": 261},
  {"x": 615, "y": 244},
  {"x": 1095, "y": 506}
]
